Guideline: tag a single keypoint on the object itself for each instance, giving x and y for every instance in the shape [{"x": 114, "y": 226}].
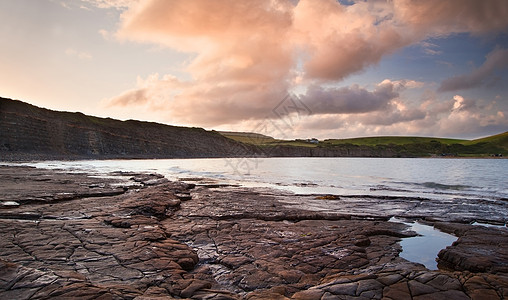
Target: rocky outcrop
[
  {"x": 166, "y": 240},
  {"x": 28, "y": 132},
  {"x": 478, "y": 249}
]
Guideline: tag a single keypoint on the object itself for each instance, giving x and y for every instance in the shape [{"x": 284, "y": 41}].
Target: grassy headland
[{"x": 403, "y": 146}]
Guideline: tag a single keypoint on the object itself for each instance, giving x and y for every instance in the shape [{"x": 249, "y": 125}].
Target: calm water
[
  {"x": 424, "y": 247},
  {"x": 412, "y": 177}
]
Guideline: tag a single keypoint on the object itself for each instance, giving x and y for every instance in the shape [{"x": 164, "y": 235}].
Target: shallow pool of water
[{"x": 424, "y": 248}]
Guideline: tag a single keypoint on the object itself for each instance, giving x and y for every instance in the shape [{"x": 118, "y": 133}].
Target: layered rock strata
[{"x": 28, "y": 132}]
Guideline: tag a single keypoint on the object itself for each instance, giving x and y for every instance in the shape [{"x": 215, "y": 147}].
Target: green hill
[
  {"x": 403, "y": 146},
  {"x": 391, "y": 140},
  {"x": 248, "y": 137},
  {"x": 500, "y": 140},
  {"x": 495, "y": 144}
]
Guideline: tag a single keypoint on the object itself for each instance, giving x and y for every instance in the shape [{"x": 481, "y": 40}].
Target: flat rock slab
[{"x": 174, "y": 240}]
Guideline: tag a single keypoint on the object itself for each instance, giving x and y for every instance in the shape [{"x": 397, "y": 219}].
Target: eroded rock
[{"x": 220, "y": 243}]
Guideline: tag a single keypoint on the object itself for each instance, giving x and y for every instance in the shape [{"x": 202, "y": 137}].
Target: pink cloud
[
  {"x": 248, "y": 54},
  {"x": 436, "y": 17},
  {"x": 339, "y": 41}
]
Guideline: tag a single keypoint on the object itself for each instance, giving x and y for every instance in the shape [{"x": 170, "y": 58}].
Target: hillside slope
[
  {"x": 381, "y": 146},
  {"x": 28, "y": 132}
]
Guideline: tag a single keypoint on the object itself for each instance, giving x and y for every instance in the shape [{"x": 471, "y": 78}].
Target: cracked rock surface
[{"x": 139, "y": 236}]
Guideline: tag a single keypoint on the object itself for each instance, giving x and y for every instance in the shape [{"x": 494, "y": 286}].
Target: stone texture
[
  {"x": 169, "y": 240},
  {"x": 478, "y": 249}
]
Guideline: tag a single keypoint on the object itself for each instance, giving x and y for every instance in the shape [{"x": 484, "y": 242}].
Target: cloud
[
  {"x": 152, "y": 91},
  {"x": 247, "y": 55},
  {"x": 233, "y": 40},
  {"x": 106, "y": 35},
  {"x": 338, "y": 41},
  {"x": 471, "y": 117},
  {"x": 456, "y": 117},
  {"x": 348, "y": 100},
  {"x": 430, "y": 48},
  {"x": 219, "y": 105},
  {"x": 436, "y": 17},
  {"x": 203, "y": 104},
  {"x": 459, "y": 102},
  {"x": 342, "y": 40},
  {"x": 78, "y": 54},
  {"x": 118, "y": 4},
  {"x": 403, "y": 84},
  {"x": 330, "y": 40},
  {"x": 495, "y": 60}
]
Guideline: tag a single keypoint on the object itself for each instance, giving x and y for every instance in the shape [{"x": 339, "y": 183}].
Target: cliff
[
  {"x": 335, "y": 151},
  {"x": 28, "y": 132}
]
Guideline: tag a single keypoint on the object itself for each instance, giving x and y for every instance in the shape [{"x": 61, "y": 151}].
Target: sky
[{"x": 285, "y": 68}]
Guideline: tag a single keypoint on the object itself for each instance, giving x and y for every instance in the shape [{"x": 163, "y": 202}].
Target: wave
[
  {"x": 441, "y": 186},
  {"x": 387, "y": 188},
  {"x": 438, "y": 186}
]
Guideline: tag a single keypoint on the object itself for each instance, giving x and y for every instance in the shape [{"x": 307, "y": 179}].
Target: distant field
[
  {"x": 263, "y": 140},
  {"x": 500, "y": 139},
  {"x": 391, "y": 140},
  {"x": 404, "y": 145},
  {"x": 250, "y": 139}
]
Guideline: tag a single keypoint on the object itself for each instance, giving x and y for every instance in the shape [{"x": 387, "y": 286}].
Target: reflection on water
[
  {"x": 424, "y": 248},
  {"x": 412, "y": 177}
]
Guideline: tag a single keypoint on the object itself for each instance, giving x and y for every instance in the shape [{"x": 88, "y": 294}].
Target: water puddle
[{"x": 424, "y": 248}]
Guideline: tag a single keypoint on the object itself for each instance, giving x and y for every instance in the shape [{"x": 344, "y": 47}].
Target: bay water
[{"x": 411, "y": 177}]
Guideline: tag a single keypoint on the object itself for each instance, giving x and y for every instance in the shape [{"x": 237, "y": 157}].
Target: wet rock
[
  {"x": 149, "y": 179},
  {"x": 418, "y": 288},
  {"x": 194, "y": 286},
  {"x": 397, "y": 291},
  {"x": 183, "y": 196},
  {"x": 476, "y": 286},
  {"x": 310, "y": 294},
  {"x": 362, "y": 242},
  {"x": 223, "y": 243},
  {"x": 478, "y": 249}
]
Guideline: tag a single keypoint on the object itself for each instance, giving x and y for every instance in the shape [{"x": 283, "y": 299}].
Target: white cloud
[{"x": 459, "y": 102}]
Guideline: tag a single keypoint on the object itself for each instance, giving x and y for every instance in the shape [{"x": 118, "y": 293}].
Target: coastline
[
  {"x": 142, "y": 236},
  {"x": 8, "y": 158}
]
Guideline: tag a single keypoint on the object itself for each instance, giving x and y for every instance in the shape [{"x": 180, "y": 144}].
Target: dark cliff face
[
  {"x": 28, "y": 132},
  {"x": 336, "y": 151}
]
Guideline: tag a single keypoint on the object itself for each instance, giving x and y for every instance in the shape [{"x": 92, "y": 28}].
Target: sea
[
  {"x": 432, "y": 178},
  {"x": 435, "y": 178}
]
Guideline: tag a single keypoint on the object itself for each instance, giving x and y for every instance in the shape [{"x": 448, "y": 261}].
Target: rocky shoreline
[{"x": 139, "y": 236}]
